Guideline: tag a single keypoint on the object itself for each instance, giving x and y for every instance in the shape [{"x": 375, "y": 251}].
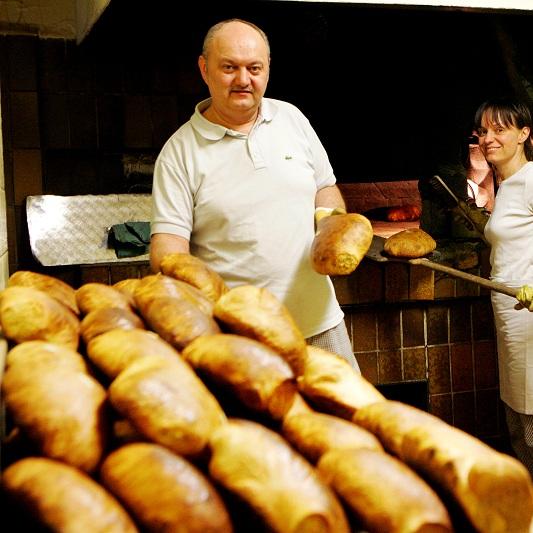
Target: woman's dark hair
[{"x": 508, "y": 112}]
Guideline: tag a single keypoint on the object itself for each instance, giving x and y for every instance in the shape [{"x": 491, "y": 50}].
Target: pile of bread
[{"x": 174, "y": 403}]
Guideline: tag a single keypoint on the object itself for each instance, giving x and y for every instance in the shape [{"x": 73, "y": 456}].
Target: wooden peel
[{"x": 376, "y": 253}]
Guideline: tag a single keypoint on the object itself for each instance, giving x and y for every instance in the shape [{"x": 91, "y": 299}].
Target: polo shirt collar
[{"x": 215, "y": 132}]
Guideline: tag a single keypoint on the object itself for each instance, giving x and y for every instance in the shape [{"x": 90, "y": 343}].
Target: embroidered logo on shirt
[{"x": 287, "y": 157}]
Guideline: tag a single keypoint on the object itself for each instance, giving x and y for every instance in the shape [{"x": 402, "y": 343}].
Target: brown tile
[
  {"x": 413, "y": 327},
  {"x": 82, "y": 121},
  {"x": 137, "y": 122},
  {"x": 368, "y": 363},
  {"x": 345, "y": 289},
  {"x": 389, "y": 366},
  {"x": 22, "y": 63},
  {"x": 370, "y": 285},
  {"x": 110, "y": 121},
  {"x": 482, "y": 319},
  {"x": 485, "y": 364},
  {"x": 24, "y": 120},
  {"x": 462, "y": 367},
  {"x": 54, "y": 121},
  {"x": 27, "y": 173},
  {"x": 444, "y": 286},
  {"x": 440, "y": 405},
  {"x": 465, "y": 288},
  {"x": 123, "y": 271},
  {"x": 53, "y": 73},
  {"x": 414, "y": 363},
  {"x": 460, "y": 328},
  {"x": 97, "y": 274},
  {"x": 363, "y": 331},
  {"x": 464, "y": 412},
  {"x": 421, "y": 283},
  {"x": 439, "y": 369},
  {"x": 487, "y": 411},
  {"x": 389, "y": 328},
  {"x": 396, "y": 282},
  {"x": 437, "y": 324}
]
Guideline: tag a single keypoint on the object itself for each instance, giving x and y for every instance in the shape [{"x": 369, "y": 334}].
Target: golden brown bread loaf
[
  {"x": 256, "y": 313},
  {"x": 340, "y": 243},
  {"x": 63, "y": 498},
  {"x": 486, "y": 484},
  {"x": 410, "y": 243},
  {"x": 262, "y": 469},
  {"x": 36, "y": 353},
  {"x": 128, "y": 287},
  {"x": 313, "y": 433},
  {"x": 61, "y": 410},
  {"x": 177, "y": 321},
  {"x": 385, "y": 495},
  {"x": 163, "y": 491},
  {"x": 30, "y": 314},
  {"x": 113, "y": 350},
  {"x": 167, "y": 403},
  {"x": 104, "y": 319},
  {"x": 54, "y": 287},
  {"x": 331, "y": 385},
  {"x": 94, "y": 295},
  {"x": 256, "y": 374},
  {"x": 194, "y": 271},
  {"x": 158, "y": 285}
]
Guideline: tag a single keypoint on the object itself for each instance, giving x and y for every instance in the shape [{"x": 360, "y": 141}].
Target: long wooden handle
[{"x": 492, "y": 285}]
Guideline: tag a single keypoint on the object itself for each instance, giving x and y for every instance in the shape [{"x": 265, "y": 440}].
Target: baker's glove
[
  {"x": 525, "y": 296},
  {"x": 474, "y": 218},
  {"x": 323, "y": 212}
]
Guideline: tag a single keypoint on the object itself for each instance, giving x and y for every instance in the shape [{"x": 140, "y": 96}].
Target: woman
[{"x": 504, "y": 129}]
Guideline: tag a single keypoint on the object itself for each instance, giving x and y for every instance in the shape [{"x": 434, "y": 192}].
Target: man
[{"x": 237, "y": 186}]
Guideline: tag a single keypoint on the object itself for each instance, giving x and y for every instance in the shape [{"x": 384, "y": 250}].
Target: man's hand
[
  {"x": 323, "y": 212},
  {"x": 525, "y": 296}
]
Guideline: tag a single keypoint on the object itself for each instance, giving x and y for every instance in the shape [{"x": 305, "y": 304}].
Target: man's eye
[{"x": 255, "y": 70}]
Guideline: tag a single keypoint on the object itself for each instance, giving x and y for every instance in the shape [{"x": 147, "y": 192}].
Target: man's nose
[{"x": 243, "y": 77}]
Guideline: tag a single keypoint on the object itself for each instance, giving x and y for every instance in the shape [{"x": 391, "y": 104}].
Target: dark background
[{"x": 391, "y": 91}]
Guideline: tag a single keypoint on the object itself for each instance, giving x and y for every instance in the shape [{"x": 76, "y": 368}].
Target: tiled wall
[{"x": 447, "y": 339}]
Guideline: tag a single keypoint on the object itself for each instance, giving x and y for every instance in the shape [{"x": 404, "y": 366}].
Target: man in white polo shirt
[{"x": 238, "y": 185}]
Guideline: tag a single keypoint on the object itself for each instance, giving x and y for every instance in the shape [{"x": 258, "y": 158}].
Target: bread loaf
[
  {"x": 256, "y": 313},
  {"x": 54, "y": 287},
  {"x": 63, "y": 498},
  {"x": 30, "y": 314},
  {"x": 486, "y": 484},
  {"x": 262, "y": 469},
  {"x": 115, "y": 349},
  {"x": 385, "y": 495},
  {"x": 410, "y": 243},
  {"x": 256, "y": 374},
  {"x": 163, "y": 491},
  {"x": 177, "y": 321},
  {"x": 167, "y": 403},
  {"x": 36, "y": 353},
  {"x": 93, "y": 296},
  {"x": 158, "y": 285},
  {"x": 194, "y": 271},
  {"x": 313, "y": 434},
  {"x": 104, "y": 319},
  {"x": 62, "y": 411},
  {"x": 330, "y": 384},
  {"x": 340, "y": 243},
  {"x": 127, "y": 287}
]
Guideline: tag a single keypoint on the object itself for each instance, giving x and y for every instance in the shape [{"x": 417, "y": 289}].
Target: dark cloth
[{"x": 130, "y": 238}]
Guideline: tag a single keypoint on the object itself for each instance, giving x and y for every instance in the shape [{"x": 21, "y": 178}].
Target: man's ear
[{"x": 202, "y": 65}]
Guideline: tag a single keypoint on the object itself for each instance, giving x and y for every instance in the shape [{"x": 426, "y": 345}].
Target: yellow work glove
[
  {"x": 525, "y": 296},
  {"x": 323, "y": 212}
]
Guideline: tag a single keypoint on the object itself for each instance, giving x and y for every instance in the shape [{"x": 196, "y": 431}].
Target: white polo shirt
[{"x": 246, "y": 203}]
